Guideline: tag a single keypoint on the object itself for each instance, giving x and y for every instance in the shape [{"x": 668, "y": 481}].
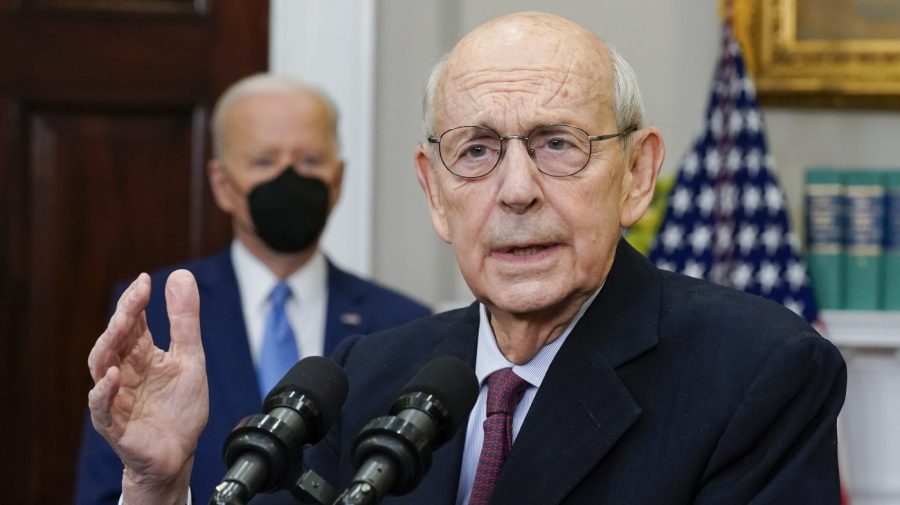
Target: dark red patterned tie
[{"x": 505, "y": 388}]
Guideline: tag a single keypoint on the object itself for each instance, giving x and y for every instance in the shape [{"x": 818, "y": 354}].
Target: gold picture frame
[{"x": 834, "y": 53}]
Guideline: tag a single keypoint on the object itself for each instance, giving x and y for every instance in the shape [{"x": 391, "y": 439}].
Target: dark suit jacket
[
  {"x": 354, "y": 306},
  {"x": 668, "y": 391}
]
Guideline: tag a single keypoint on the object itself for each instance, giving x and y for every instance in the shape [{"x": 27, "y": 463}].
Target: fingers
[
  {"x": 100, "y": 400},
  {"x": 126, "y": 324},
  {"x": 183, "y": 306}
]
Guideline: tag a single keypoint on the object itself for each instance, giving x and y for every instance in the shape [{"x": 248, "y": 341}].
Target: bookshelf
[
  {"x": 869, "y": 438},
  {"x": 862, "y": 329}
]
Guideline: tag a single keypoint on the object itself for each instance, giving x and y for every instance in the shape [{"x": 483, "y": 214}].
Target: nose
[{"x": 520, "y": 189}]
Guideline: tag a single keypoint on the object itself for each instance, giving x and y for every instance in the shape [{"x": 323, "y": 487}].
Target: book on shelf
[
  {"x": 891, "y": 297},
  {"x": 853, "y": 237},
  {"x": 863, "y": 239},
  {"x": 824, "y": 233}
]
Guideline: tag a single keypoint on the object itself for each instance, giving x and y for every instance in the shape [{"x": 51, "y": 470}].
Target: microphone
[
  {"x": 392, "y": 453},
  {"x": 263, "y": 448}
]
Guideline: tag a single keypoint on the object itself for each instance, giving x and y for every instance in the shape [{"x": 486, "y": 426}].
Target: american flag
[{"x": 727, "y": 219}]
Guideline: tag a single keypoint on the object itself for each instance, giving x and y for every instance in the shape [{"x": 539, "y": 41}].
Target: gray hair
[
  {"x": 431, "y": 84},
  {"x": 627, "y": 101},
  {"x": 263, "y": 84}
]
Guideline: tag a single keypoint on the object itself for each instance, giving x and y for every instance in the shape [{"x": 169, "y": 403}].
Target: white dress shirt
[
  {"x": 306, "y": 309},
  {"x": 489, "y": 359}
]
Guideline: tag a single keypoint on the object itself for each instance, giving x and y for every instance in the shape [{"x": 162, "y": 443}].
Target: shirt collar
[
  {"x": 256, "y": 280},
  {"x": 489, "y": 359}
]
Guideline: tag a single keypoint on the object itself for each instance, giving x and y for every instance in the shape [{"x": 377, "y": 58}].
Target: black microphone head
[
  {"x": 322, "y": 380},
  {"x": 452, "y": 382}
]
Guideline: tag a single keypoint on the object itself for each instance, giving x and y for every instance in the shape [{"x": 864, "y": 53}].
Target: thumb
[{"x": 183, "y": 307}]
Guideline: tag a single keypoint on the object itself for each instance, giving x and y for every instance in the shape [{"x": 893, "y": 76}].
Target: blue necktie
[{"x": 279, "y": 347}]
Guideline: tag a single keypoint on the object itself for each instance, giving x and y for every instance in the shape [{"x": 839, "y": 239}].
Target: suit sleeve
[
  {"x": 99, "y": 470},
  {"x": 780, "y": 446}
]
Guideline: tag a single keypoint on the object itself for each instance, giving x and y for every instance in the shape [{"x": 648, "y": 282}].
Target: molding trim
[{"x": 331, "y": 45}]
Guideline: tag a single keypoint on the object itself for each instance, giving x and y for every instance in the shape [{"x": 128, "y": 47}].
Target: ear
[
  {"x": 428, "y": 180},
  {"x": 645, "y": 158},
  {"x": 336, "y": 185},
  {"x": 221, "y": 188}
]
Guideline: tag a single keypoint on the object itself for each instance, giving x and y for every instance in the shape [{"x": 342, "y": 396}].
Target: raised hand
[{"x": 150, "y": 404}]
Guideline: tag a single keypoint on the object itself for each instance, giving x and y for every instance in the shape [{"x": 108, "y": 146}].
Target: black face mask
[{"x": 289, "y": 211}]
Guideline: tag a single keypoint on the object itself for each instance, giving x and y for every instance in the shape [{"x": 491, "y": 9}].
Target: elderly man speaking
[{"x": 623, "y": 383}]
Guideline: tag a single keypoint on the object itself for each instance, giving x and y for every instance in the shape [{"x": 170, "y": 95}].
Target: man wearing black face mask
[
  {"x": 289, "y": 211},
  {"x": 277, "y": 173}
]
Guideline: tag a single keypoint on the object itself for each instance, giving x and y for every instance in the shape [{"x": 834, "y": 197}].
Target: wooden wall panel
[
  {"x": 135, "y": 6},
  {"x": 93, "y": 181},
  {"x": 103, "y": 144}
]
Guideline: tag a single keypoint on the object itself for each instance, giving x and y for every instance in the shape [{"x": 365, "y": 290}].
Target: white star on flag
[
  {"x": 751, "y": 199},
  {"x": 741, "y": 276},
  {"x": 796, "y": 275},
  {"x": 734, "y": 160},
  {"x": 693, "y": 269},
  {"x": 723, "y": 237},
  {"x": 746, "y": 238},
  {"x": 700, "y": 239},
  {"x": 735, "y": 123},
  {"x": 672, "y": 237},
  {"x": 794, "y": 305},
  {"x": 753, "y": 161},
  {"x": 767, "y": 276},
  {"x": 771, "y": 238},
  {"x": 691, "y": 164},
  {"x": 681, "y": 201},
  {"x": 713, "y": 162},
  {"x": 753, "y": 120},
  {"x": 774, "y": 198},
  {"x": 727, "y": 198},
  {"x": 706, "y": 202}
]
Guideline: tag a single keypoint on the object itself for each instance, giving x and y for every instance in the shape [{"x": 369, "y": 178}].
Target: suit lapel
[
  {"x": 582, "y": 408},
  {"x": 229, "y": 364},
  {"x": 343, "y": 316}
]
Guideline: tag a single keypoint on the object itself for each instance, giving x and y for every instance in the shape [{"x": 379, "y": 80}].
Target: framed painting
[{"x": 836, "y": 53}]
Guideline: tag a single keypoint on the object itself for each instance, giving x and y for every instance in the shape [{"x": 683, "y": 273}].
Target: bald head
[
  {"x": 521, "y": 172},
  {"x": 265, "y": 85},
  {"x": 530, "y": 39},
  {"x": 550, "y": 55}
]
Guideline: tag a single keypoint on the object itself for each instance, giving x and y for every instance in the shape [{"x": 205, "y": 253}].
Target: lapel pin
[{"x": 351, "y": 319}]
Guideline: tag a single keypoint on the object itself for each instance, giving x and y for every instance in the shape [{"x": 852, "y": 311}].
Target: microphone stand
[
  {"x": 362, "y": 491},
  {"x": 310, "y": 486}
]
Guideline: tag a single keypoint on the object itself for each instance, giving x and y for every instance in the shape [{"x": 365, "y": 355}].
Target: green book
[
  {"x": 824, "y": 235},
  {"x": 863, "y": 239},
  {"x": 892, "y": 243}
]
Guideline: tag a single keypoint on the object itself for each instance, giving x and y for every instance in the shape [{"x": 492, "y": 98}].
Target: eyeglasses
[{"x": 558, "y": 150}]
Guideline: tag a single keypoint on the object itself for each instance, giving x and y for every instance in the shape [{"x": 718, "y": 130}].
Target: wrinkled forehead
[
  {"x": 535, "y": 68},
  {"x": 280, "y": 117},
  {"x": 302, "y": 106}
]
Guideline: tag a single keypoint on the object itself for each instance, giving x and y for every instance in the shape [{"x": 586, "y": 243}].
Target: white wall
[
  {"x": 331, "y": 45},
  {"x": 412, "y": 34}
]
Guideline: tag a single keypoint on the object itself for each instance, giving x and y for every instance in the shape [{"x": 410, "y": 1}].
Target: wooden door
[{"x": 104, "y": 106}]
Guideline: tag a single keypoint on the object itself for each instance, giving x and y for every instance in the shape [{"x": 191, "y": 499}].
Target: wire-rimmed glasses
[{"x": 558, "y": 150}]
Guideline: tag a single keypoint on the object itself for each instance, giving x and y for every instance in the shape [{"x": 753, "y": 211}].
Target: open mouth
[
  {"x": 526, "y": 251},
  {"x": 522, "y": 251}
]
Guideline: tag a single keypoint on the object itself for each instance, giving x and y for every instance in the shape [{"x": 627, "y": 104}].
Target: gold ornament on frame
[{"x": 834, "y": 53}]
